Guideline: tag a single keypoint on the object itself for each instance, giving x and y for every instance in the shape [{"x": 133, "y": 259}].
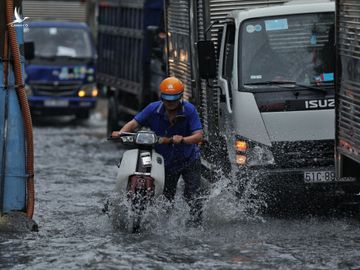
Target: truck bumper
[
  {"x": 296, "y": 178},
  {"x": 289, "y": 186},
  {"x": 60, "y": 106}
]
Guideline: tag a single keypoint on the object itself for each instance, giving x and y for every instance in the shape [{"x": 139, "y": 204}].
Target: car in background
[{"x": 60, "y": 77}]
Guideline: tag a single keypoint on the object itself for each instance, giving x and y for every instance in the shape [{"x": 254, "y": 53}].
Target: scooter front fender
[{"x": 128, "y": 168}]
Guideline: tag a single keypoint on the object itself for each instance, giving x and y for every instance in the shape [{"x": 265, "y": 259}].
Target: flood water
[{"x": 75, "y": 176}]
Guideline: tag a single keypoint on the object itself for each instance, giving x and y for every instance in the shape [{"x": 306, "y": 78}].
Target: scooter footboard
[{"x": 127, "y": 171}]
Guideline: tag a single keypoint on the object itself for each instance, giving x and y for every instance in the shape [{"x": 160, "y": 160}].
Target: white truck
[{"x": 267, "y": 102}]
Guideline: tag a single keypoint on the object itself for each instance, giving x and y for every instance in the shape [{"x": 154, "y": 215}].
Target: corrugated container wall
[
  {"x": 120, "y": 43},
  {"x": 55, "y": 10},
  {"x": 348, "y": 79}
]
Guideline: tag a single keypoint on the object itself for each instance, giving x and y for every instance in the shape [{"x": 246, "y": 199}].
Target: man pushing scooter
[{"x": 177, "y": 124}]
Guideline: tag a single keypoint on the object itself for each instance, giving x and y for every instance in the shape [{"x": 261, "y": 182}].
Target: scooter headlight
[{"x": 145, "y": 138}]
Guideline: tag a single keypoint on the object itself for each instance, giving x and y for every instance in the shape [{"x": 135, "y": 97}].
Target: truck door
[{"x": 226, "y": 72}]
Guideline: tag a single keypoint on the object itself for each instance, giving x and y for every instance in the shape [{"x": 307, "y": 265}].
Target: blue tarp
[{"x": 12, "y": 145}]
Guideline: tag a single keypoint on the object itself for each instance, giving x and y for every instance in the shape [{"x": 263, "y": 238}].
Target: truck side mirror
[
  {"x": 206, "y": 59},
  {"x": 29, "y": 50}
]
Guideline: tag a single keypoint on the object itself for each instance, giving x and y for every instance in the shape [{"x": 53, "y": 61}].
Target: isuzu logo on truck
[
  {"x": 320, "y": 103},
  {"x": 310, "y": 104}
]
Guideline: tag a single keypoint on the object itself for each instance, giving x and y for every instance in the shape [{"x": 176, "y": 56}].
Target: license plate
[
  {"x": 56, "y": 103},
  {"x": 319, "y": 176}
]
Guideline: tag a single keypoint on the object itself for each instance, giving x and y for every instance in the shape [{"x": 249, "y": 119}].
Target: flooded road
[{"x": 75, "y": 175}]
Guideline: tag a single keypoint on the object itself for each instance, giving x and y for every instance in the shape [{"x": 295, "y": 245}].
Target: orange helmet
[{"x": 171, "y": 89}]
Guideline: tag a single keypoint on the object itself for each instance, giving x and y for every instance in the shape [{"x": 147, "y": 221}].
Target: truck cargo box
[
  {"x": 348, "y": 89},
  {"x": 125, "y": 55}
]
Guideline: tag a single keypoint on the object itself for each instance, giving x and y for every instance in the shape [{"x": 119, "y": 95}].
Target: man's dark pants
[{"x": 192, "y": 192}]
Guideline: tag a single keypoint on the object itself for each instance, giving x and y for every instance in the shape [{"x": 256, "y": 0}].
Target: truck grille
[
  {"x": 303, "y": 154},
  {"x": 51, "y": 89}
]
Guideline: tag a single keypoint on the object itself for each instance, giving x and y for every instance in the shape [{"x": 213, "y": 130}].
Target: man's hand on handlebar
[
  {"x": 115, "y": 134},
  {"x": 164, "y": 140},
  {"x": 176, "y": 139}
]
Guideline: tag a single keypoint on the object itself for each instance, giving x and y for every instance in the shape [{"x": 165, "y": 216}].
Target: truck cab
[
  {"x": 276, "y": 75},
  {"x": 60, "y": 79}
]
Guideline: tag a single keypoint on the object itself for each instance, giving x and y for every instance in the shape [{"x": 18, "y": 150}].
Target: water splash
[
  {"x": 222, "y": 204},
  {"x": 226, "y": 204},
  {"x": 122, "y": 216}
]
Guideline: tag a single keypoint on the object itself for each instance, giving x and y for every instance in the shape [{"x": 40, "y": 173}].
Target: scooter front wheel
[{"x": 140, "y": 193}]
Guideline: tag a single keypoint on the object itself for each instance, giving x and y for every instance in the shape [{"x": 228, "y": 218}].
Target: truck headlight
[
  {"x": 260, "y": 155},
  {"x": 89, "y": 90},
  {"x": 241, "y": 145},
  {"x": 94, "y": 92},
  {"x": 252, "y": 154},
  {"x": 241, "y": 159}
]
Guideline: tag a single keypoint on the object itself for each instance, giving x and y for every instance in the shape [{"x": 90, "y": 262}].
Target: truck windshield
[
  {"x": 53, "y": 42},
  {"x": 298, "y": 48}
]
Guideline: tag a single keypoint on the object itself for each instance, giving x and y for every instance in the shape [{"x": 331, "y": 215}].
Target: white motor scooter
[{"x": 141, "y": 173}]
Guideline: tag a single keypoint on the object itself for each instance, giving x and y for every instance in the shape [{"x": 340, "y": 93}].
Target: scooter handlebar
[
  {"x": 133, "y": 137},
  {"x": 117, "y": 134},
  {"x": 164, "y": 140}
]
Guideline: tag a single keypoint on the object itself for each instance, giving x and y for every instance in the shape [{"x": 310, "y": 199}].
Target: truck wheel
[
  {"x": 83, "y": 115},
  {"x": 112, "y": 119}
]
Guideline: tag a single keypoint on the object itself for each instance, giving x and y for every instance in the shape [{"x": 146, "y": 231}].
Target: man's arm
[
  {"x": 195, "y": 126},
  {"x": 194, "y": 138},
  {"x": 128, "y": 127}
]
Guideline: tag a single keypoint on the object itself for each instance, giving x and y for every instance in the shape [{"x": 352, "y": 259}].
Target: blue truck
[{"x": 60, "y": 79}]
